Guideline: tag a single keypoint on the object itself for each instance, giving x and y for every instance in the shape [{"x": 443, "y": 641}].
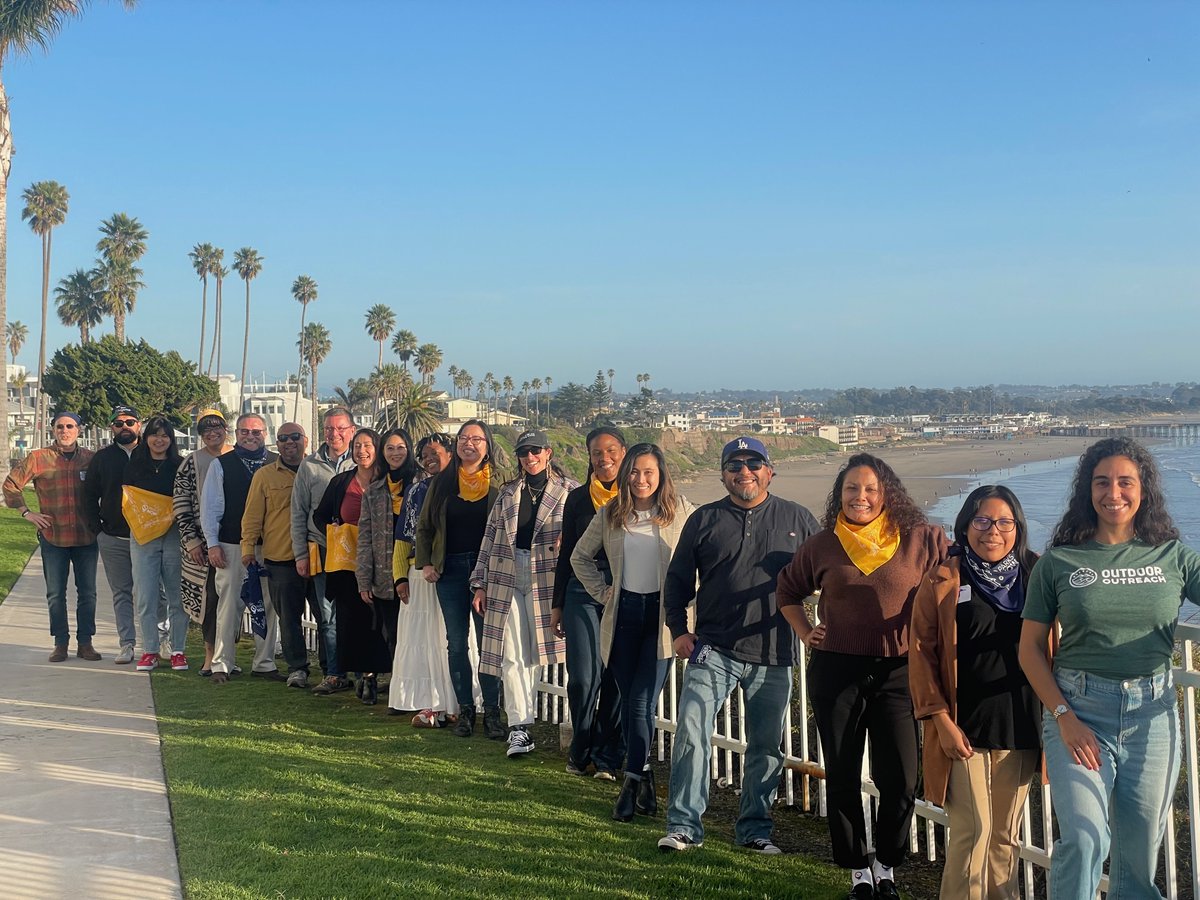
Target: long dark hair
[
  {"x": 379, "y": 467},
  {"x": 902, "y": 511},
  {"x": 408, "y": 469},
  {"x": 613, "y": 432},
  {"x": 970, "y": 508},
  {"x": 141, "y": 463},
  {"x": 620, "y": 509},
  {"x": 445, "y": 482},
  {"x": 1151, "y": 523}
]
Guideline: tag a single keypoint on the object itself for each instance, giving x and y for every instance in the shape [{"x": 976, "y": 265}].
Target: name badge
[{"x": 964, "y": 593}]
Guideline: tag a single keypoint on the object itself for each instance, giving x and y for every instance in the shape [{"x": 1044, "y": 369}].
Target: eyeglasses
[
  {"x": 734, "y": 466},
  {"x": 529, "y": 451},
  {"x": 250, "y": 432},
  {"x": 124, "y": 423},
  {"x": 983, "y": 523},
  {"x": 339, "y": 428},
  {"x": 474, "y": 440},
  {"x": 293, "y": 436}
]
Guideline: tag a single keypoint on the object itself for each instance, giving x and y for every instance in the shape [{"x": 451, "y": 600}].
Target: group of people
[{"x": 402, "y": 552}]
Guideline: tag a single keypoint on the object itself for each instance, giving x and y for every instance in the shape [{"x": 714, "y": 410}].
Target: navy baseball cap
[{"x": 745, "y": 445}]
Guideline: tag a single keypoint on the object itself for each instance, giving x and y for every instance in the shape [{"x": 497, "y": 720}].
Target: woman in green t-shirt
[{"x": 1114, "y": 578}]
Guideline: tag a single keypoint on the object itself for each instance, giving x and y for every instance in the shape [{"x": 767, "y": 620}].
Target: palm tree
[
  {"x": 536, "y": 384},
  {"x": 356, "y": 392},
  {"x": 404, "y": 345},
  {"x": 415, "y": 410},
  {"x": 380, "y": 322},
  {"x": 452, "y": 374},
  {"x": 17, "y": 334},
  {"x": 465, "y": 380},
  {"x": 122, "y": 243},
  {"x": 80, "y": 302},
  {"x": 45, "y": 208},
  {"x": 201, "y": 257},
  {"x": 549, "y": 382},
  {"x": 489, "y": 379},
  {"x": 611, "y": 373},
  {"x": 427, "y": 359},
  {"x": 314, "y": 346},
  {"x": 388, "y": 382},
  {"x": 508, "y": 390},
  {"x": 304, "y": 289},
  {"x": 248, "y": 264},
  {"x": 217, "y": 269},
  {"x": 525, "y": 385}
]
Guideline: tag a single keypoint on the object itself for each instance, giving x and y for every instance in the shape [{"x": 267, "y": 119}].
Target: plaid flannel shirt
[{"x": 58, "y": 483}]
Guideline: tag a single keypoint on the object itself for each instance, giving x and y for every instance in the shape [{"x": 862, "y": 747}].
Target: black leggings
[{"x": 851, "y": 696}]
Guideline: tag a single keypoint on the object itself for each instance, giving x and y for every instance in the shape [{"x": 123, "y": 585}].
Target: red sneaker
[
  {"x": 148, "y": 662},
  {"x": 179, "y": 662}
]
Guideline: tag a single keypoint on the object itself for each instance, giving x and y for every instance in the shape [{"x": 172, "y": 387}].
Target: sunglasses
[
  {"x": 529, "y": 451},
  {"x": 294, "y": 436},
  {"x": 124, "y": 423},
  {"x": 736, "y": 465}
]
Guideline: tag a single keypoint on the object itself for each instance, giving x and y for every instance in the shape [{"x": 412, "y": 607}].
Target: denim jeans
[
  {"x": 56, "y": 564},
  {"x": 592, "y": 694},
  {"x": 326, "y": 624},
  {"x": 114, "y": 553},
  {"x": 155, "y": 567},
  {"x": 638, "y": 671},
  {"x": 705, "y": 686},
  {"x": 289, "y": 595},
  {"x": 1124, "y": 806},
  {"x": 454, "y": 596}
]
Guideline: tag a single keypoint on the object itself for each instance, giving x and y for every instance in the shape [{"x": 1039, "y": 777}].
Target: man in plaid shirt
[{"x": 57, "y": 473}]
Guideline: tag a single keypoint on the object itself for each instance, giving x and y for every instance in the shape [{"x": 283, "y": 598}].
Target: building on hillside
[
  {"x": 678, "y": 421},
  {"x": 463, "y": 409},
  {"x": 843, "y": 435}
]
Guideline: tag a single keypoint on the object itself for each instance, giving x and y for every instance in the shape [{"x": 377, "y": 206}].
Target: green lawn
[
  {"x": 277, "y": 793},
  {"x": 18, "y": 540}
]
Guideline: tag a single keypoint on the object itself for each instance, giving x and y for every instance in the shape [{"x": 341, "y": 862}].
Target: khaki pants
[
  {"x": 984, "y": 803},
  {"x": 229, "y": 617}
]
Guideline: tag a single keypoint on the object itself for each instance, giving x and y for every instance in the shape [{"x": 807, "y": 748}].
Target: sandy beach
[{"x": 929, "y": 471}]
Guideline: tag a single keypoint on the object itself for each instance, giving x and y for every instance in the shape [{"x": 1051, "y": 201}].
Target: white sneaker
[
  {"x": 125, "y": 657},
  {"x": 519, "y": 741},
  {"x": 676, "y": 841},
  {"x": 298, "y": 679}
]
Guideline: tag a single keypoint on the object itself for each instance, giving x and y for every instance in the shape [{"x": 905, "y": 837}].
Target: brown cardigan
[{"x": 933, "y": 668}]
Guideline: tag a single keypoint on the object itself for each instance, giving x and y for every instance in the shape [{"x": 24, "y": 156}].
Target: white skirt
[{"x": 420, "y": 670}]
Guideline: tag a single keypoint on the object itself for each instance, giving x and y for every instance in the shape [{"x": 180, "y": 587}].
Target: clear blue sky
[{"x": 757, "y": 195}]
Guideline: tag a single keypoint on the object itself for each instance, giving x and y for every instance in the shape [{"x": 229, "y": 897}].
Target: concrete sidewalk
[{"x": 83, "y": 802}]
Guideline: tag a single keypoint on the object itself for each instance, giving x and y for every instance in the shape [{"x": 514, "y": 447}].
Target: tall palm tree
[
  {"x": 304, "y": 289},
  {"x": 389, "y": 382},
  {"x": 314, "y": 346},
  {"x": 508, "y": 390},
  {"x": 465, "y": 380},
  {"x": 489, "y": 379},
  {"x": 217, "y": 269},
  {"x": 452, "y": 374},
  {"x": 427, "y": 359},
  {"x": 404, "y": 345},
  {"x": 380, "y": 322},
  {"x": 525, "y": 386},
  {"x": 248, "y": 264},
  {"x": 79, "y": 300},
  {"x": 45, "y": 208},
  {"x": 201, "y": 256},
  {"x": 122, "y": 243},
  {"x": 16, "y": 333},
  {"x": 536, "y": 384},
  {"x": 611, "y": 373}
]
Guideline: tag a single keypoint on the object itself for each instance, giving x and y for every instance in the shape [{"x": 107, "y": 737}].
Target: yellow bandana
[
  {"x": 472, "y": 487},
  {"x": 868, "y": 546},
  {"x": 148, "y": 514},
  {"x": 396, "y": 489},
  {"x": 599, "y": 493}
]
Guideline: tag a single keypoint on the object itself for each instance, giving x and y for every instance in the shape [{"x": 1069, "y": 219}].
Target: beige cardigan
[{"x": 600, "y": 534}]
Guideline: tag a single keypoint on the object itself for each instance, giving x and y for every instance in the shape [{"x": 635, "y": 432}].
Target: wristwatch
[{"x": 1061, "y": 710}]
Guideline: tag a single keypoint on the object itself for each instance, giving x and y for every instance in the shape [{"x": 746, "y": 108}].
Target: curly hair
[
  {"x": 904, "y": 514},
  {"x": 1152, "y": 523}
]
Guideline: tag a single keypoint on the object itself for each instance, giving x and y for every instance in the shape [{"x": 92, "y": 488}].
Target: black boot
[
  {"x": 647, "y": 800},
  {"x": 466, "y": 721},
  {"x": 493, "y": 726},
  {"x": 370, "y": 694},
  {"x": 626, "y": 800}
]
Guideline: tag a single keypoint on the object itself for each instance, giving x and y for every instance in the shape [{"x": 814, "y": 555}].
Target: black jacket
[{"x": 102, "y": 492}]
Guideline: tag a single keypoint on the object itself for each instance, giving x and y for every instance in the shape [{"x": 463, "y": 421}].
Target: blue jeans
[
  {"x": 1124, "y": 806},
  {"x": 56, "y": 563},
  {"x": 326, "y": 624},
  {"x": 454, "y": 597},
  {"x": 639, "y": 673},
  {"x": 592, "y": 694},
  {"x": 114, "y": 552},
  {"x": 705, "y": 687},
  {"x": 156, "y": 569}
]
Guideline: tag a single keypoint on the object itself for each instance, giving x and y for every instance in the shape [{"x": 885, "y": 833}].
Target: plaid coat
[{"x": 495, "y": 570}]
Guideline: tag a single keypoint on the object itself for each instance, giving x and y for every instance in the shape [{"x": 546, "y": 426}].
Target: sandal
[{"x": 427, "y": 718}]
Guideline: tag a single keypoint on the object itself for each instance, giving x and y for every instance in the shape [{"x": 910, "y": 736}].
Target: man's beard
[{"x": 125, "y": 437}]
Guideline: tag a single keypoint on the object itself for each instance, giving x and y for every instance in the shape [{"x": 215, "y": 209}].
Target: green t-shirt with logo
[{"x": 1117, "y": 604}]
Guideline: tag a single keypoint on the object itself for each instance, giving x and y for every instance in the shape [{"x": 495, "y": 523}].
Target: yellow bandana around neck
[
  {"x": 472, "y": 487},
  {"x": 396, "y": 489},
  {"x": 868, "y": 546},
  {"x": 599, "y": 493}
]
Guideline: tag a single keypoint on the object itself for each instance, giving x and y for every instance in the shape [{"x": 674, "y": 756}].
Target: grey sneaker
[
  {"x": 762, "y": 845},
  {"x": 519, "y": 741},
  {"x": 125, "y": 657},
  {"x": 676, "y": 842},
  {"x": 298, "y": 679},
  {"x": 332, "y": 684}
]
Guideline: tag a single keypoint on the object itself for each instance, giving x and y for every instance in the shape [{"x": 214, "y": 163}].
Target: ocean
[{"x": 1043, "y": 487}]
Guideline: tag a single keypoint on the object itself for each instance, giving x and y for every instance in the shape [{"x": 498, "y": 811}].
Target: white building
[{"x": 844, "y": 435}]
